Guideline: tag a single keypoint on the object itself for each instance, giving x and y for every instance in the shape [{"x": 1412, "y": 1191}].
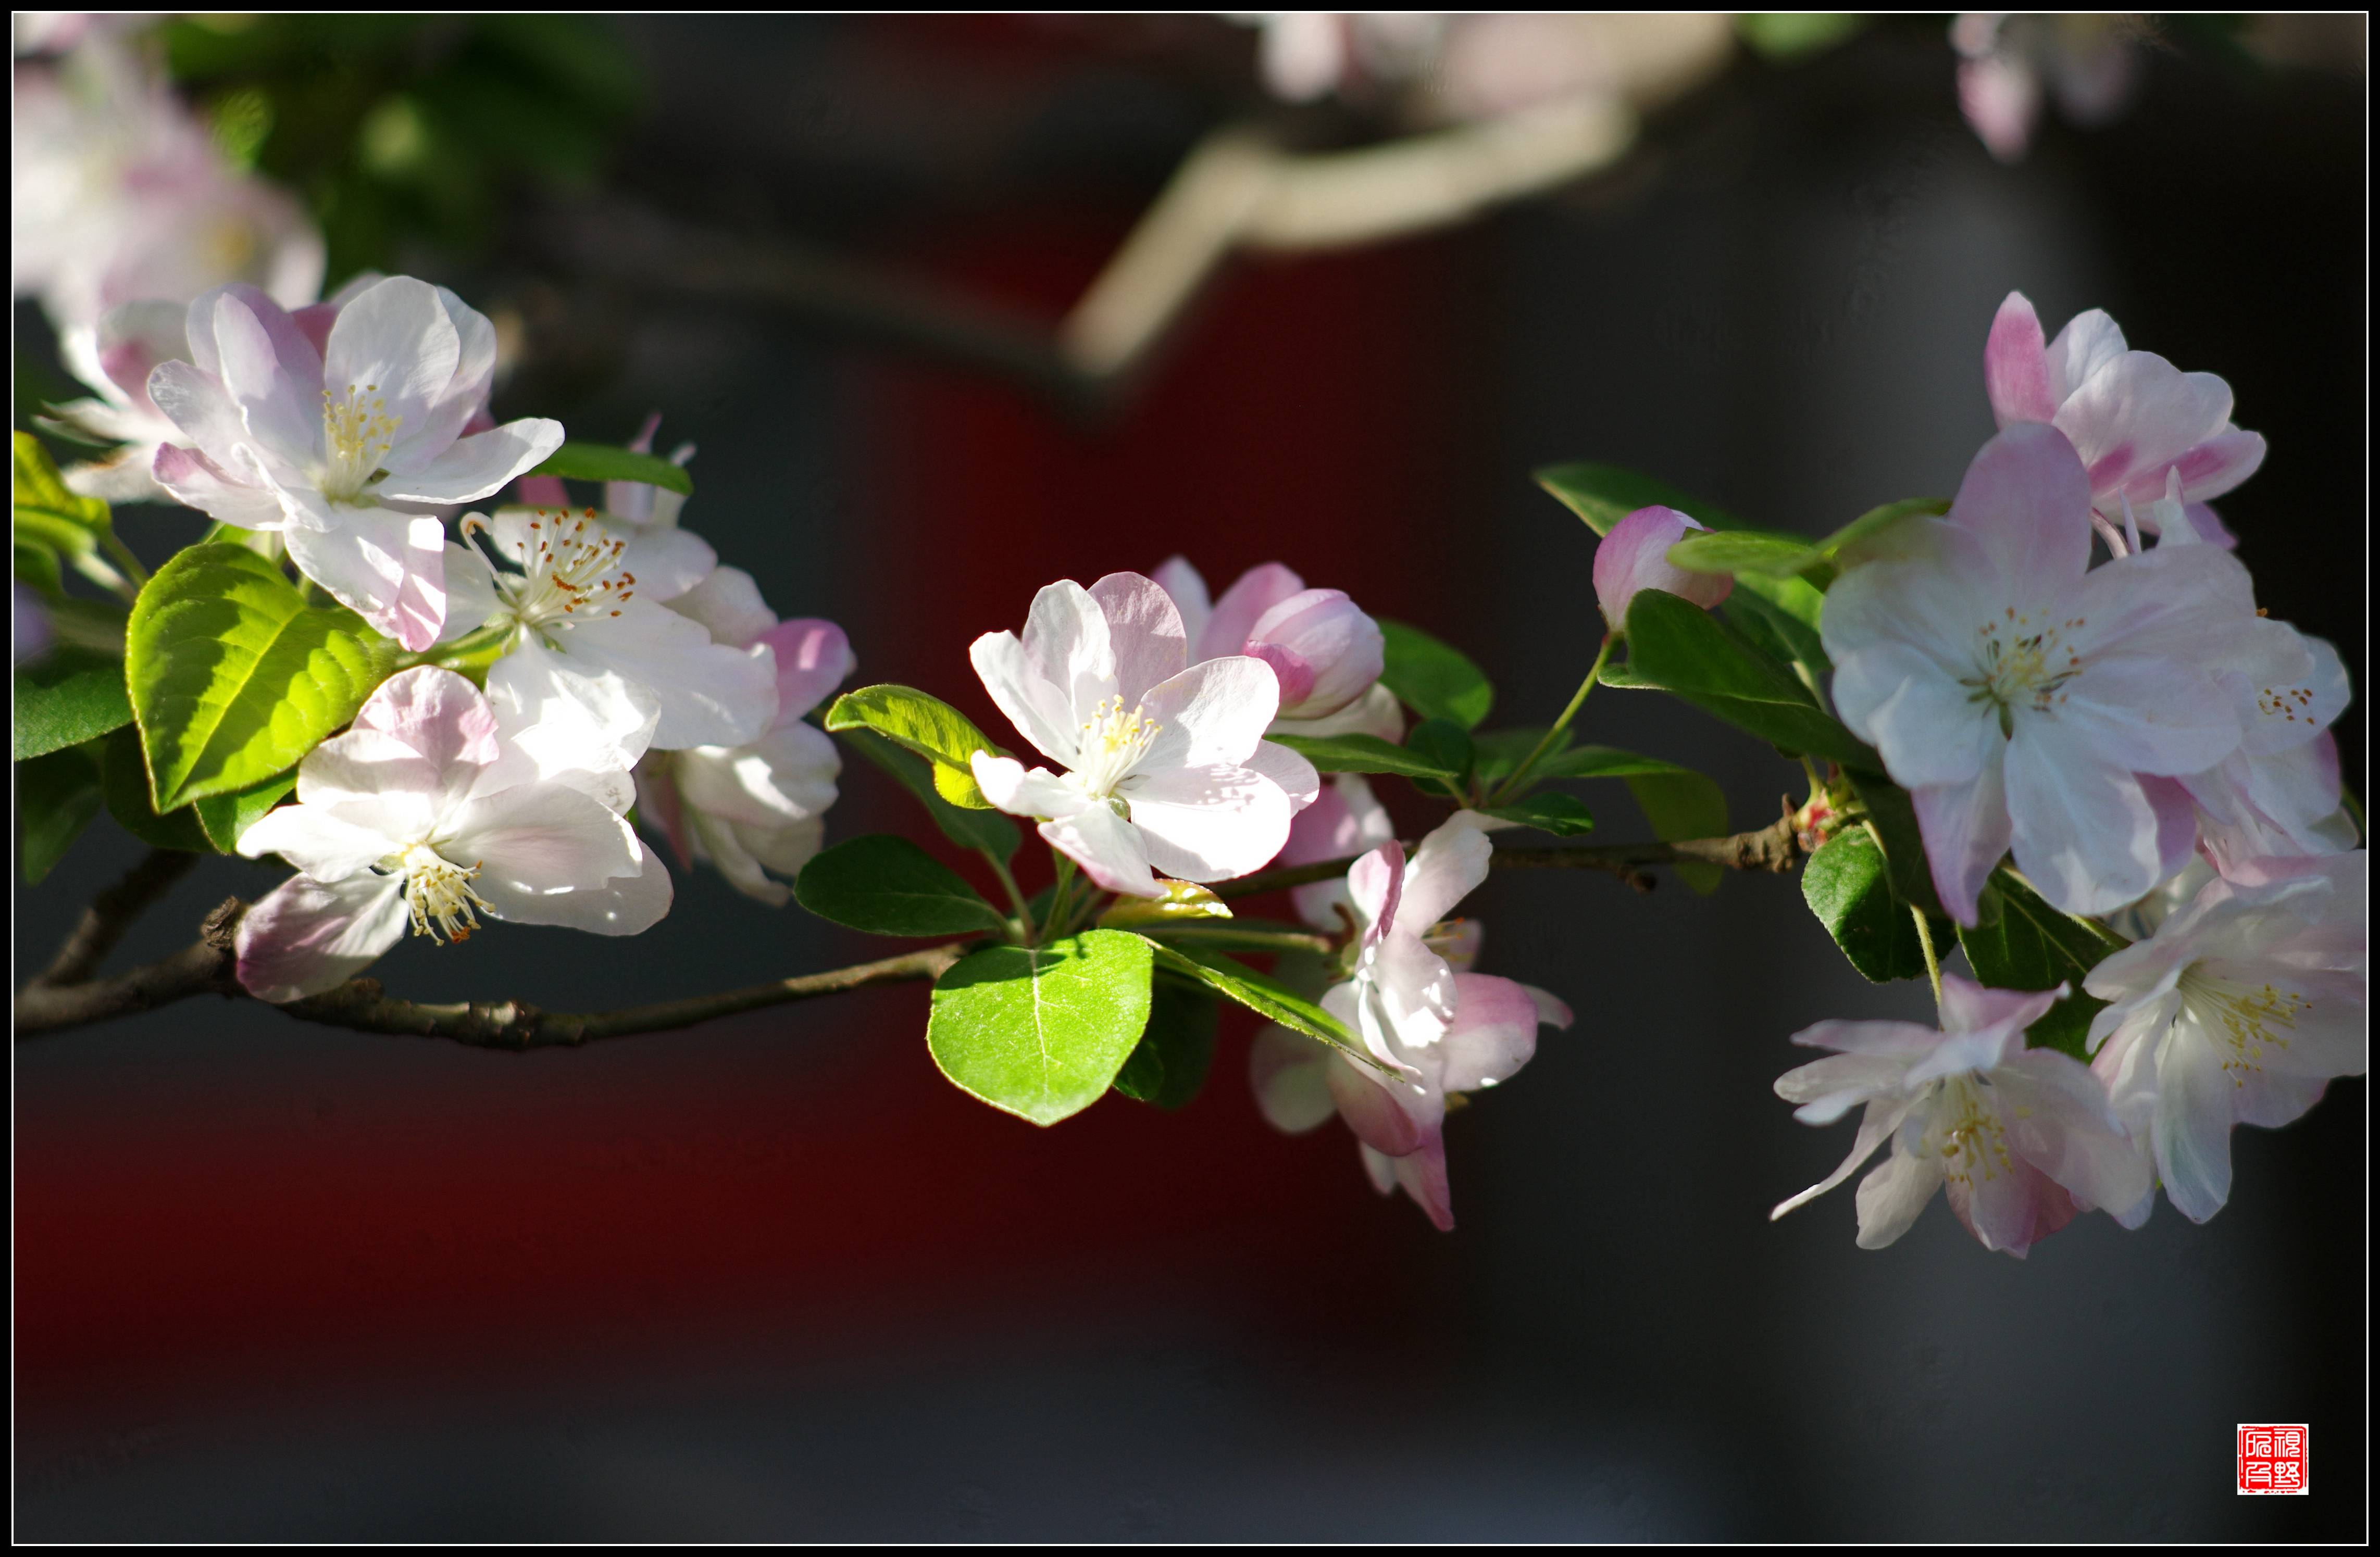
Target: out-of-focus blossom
[
  {"x": 120, "y": 196},
  {"x": 759, "y": 807},
  {"x": 580, "y": 628},
  {"x": 2006, "y": 62},
  {"x": 2134, "y": 418},
  {"x": 411, "y": 817},
  {"x": 2020, "y": 694},
  {"x": 1636, "y": 555},
  {"x": 1345, "y": 820},
  {"x": 28, "y": 623},
  {"x": 320, "y": 443},
  {"x": 52, "y": 32},
  {"x": 1444, "y": 68},
  {"x": 2237, "y": 1010},
  {"x": 1418, "y": 1009},
  {"x": 1326, "y": 652},
  {"x": 1162, "y": 757},
  {"x": 2022, "y": 1138},
  {"x": 116, "y": 357}
]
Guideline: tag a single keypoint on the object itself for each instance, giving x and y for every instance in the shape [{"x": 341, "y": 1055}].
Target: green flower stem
[
  {"x": 1015, "y": 894},
  {"x": 1933, "y": 963},
  {"x": 125, "y": 560},
  {"x": 1512, "y": 782},
  {"x": 1225, "y": 935},
  {"x": 1060, "y": 900}
]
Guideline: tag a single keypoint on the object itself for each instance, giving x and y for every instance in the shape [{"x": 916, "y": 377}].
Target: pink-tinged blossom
[
  {"x": 2021, "y": 1139},
  {"x": 667, "y": 561},
  {"x": 2132, "y": 416},
  {"x": 1165, "y": 764},
  {"x": 321, "y": 444},
  {"x": 2020, "y": 694},
  {"x": 1347, "y": 820},
  {"x": 759, "y": 807},
  {"x": 1327, "y": 653},
  {"x": 2277, "y": 795},
  {"x": 578, "y": 624},
  {"x": 1636, "y": 555},
  {"x": 2085, "y": 62},
  {"x": 1412, "y": 1000},
  {"x": 119, "y": 194},
  {"x": 413, "y": 817},
  {"x": 2239, "y": 1011},
  {"x": 116, "y": 357}
]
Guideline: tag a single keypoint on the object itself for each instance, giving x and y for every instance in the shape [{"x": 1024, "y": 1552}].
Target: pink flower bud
[
  {"x": 1636, "y": 555},
  {"x": 1325, "y": 651}
]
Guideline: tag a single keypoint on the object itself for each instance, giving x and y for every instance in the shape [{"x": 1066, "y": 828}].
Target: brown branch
[
  {"x": 206, "y": 968},
  {"x": 112, "y": 912},
  {"x": 1777, "y": 847}
]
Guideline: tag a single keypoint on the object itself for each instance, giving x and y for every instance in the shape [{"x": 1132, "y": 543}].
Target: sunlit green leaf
[
  {"x": 1041, "y": 1032},
  {"x": 600, "y": 462},
  {"x": 1435, "y": 679},
  {"x": 925, "y": 725}
]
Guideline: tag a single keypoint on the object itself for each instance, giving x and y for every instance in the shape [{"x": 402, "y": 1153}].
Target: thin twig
[
  {"x": 112, "y": 912},
  {"x": 206, "y": 968}
]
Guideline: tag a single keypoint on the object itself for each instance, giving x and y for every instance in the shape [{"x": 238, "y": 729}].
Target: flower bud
[
  {"x": 1636, "y": 555},
  {"x": 1325, "y": 651}
]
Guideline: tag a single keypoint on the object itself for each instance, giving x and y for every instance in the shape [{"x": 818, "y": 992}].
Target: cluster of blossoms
[
  {"x": 2150, "y": 748},
  {"x": 2065, "y": 673}
]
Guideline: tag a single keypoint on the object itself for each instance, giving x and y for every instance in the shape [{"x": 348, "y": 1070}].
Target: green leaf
[
  {"x": 1041, "y": 1032},
  {"x": 1445, "y": 746},
  {"x": 37, "y": 569},
  {"x": 2034, "y": 946},
  {"x": 234, "y": 677},
  {"x": 1550, "y": 812},
  {"x": 67, "y": 696},
  {"x": 48, "y": 514},
  {"x": 1435, "y": 679},
  {"x": 1498, "y": 751},
  {"x": 987, "y": 830},
  {"x": 1846, "y": 545},
  {"x": 1170, "y": 1063},
  {"x": 124, "y": 782},
  {"x": 56, "y": 797},
  {"x": 1846, "y": 884},
  {"x": 1781, "y": 616},
  {"x": 1675, "y": 646},
  {"x": 224, "y": 817},
  {"x": 1605, "y": 494},
  {"x": 1269, "y": 998},
  {"x": 887, "y": 885},
  {"x": 1362, "y": 753},
  {"x": 1745, "y": 552},
  {"x": 1681, "y": 804},
  {"x": 925, "y": 725},
  {"x": 1894, "y": 816},
  {"x": 600, "y": 462},
  {"x": 1783, "y": 37}
]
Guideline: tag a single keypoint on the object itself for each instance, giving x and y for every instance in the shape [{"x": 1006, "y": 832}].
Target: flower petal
[
  {"x": 1040, "y": 793},
  {"x": 2016, "y": 365},
  {"x": 2193, "y": 1127},
  {"x": 387, "y": 567},
  {"x": 2083, "y": 831},
  {"x": 190, "y": 478},
  {"x": 1493, "y": 1033},
  {"x": 2057, "y": 1119},
  {"x": 727, "y": 602},
  {"x": 1289, "y": 1074},
  {"x": 560, "y": 722},
  {"x": 1966, "y": 829},
  {"x": 1213, "y": 713},
  {"x": 813, "y": 659},
  {"x": 1107, "y": 847},
  {"x": 1882, "y": 1116},
  {"x": 2089, "y": 340},
  {"x": 393, "y": 342},
  {"x": 1180, "y": 581},
  {"x": 305, "y": 935},
  {"x": 1295, "y": 776},
  {"x": 2025, "y": 498},
  {"x": 1037, "y": 707},
  {"x": 1235, "y": 616},
  {"x": 1067, "y": 647},
  {"x": 711, "y": 695},
  {"x": 1448, "y": 866},
  {"x": 1890, "y": 1197},
  {"x": 2137, "y": 415},
  {"x": 474, "y": 467},
  {"x": 1145, "y": 631},
  {"x": 1207, "y": 823}
]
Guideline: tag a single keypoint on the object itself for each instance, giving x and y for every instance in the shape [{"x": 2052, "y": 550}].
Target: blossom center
[
  {"x": 2247, "y": 1015},
  {"x": 1969, "y": 1133},
  {"x": 2022, "y": 661},
  {"x": 1113, "y": 742},
  {"x": 570, "y": 571},
  {"x": 359, "y": 432},
  {"x": 438, "y": 894}
]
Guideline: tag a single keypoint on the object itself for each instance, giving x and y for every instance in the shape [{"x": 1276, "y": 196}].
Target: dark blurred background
[{"x": 773, "y": 1278}]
